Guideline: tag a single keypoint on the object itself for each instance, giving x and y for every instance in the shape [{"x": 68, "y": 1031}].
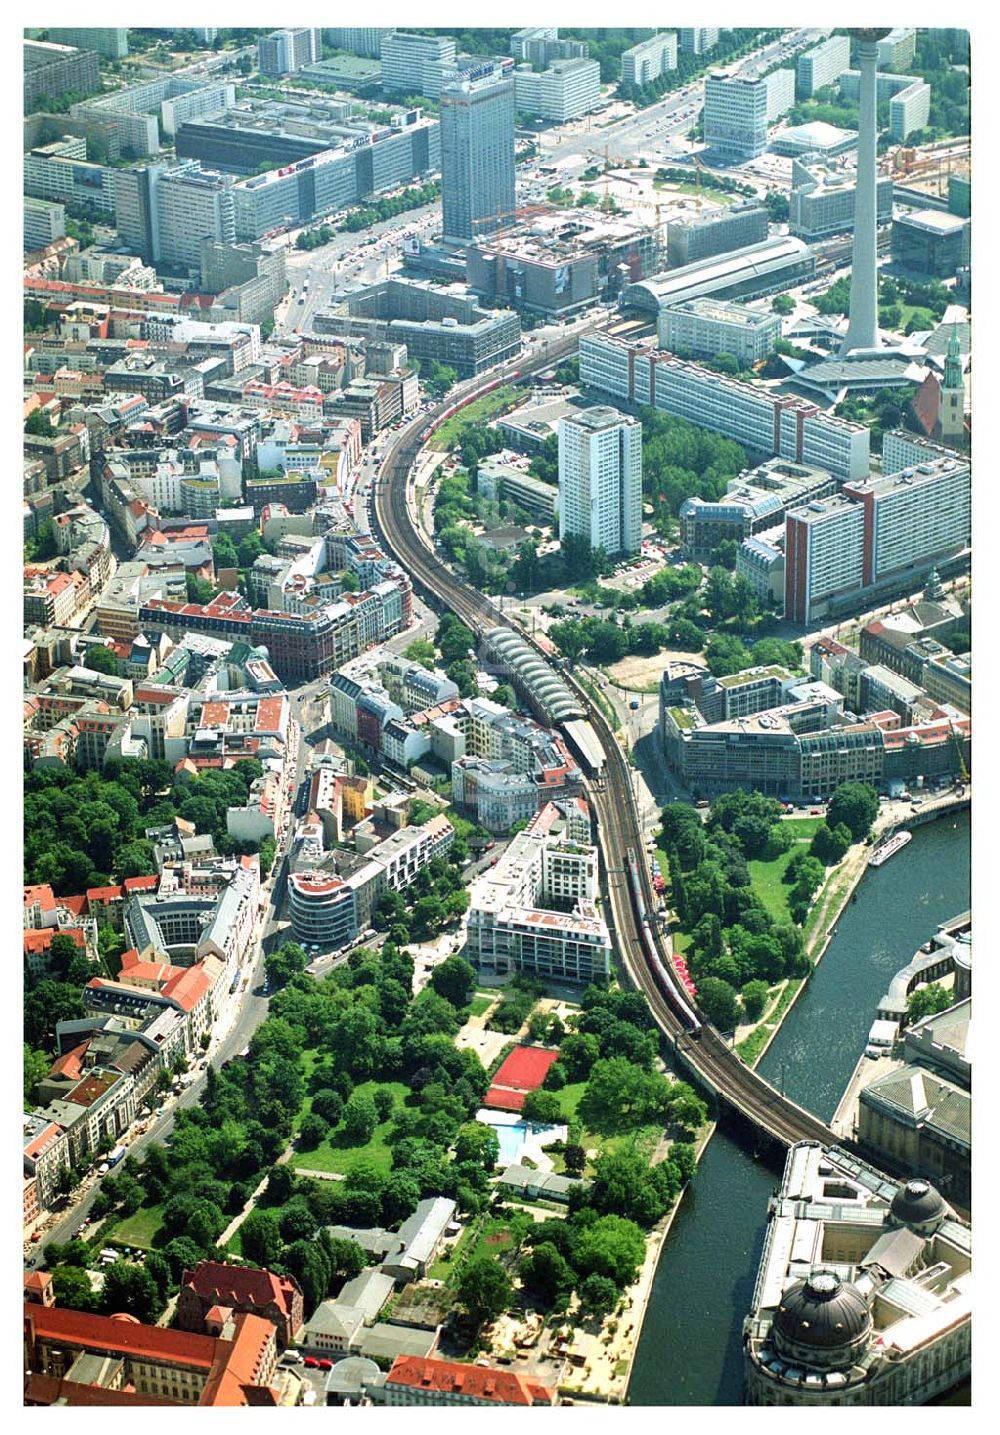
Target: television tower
[{"x": 862, "y": 328}]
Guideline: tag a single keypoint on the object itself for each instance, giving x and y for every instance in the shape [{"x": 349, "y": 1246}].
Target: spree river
[{"x": 689, "y": 1351}]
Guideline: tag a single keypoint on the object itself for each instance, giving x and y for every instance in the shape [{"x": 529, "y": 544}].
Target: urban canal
[{"x": 689, "y": 1350}]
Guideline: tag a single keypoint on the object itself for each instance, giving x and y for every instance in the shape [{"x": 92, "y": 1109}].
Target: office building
[
  {"x": 703, "y": 328},
  {"x": 780, "y": 93},
  {"x": 719, "y": 231},
  {"x": 765, "y": 423},
  {"x": 365, "y": 40},
  {"x": 822, "y": 65},
  {"x": 771, "y": 267},
  {"x": 415, "y": 1380},
  {"x": 536, "y": 911},
  {"x": 285, "y": 51},
  {"x": 61, "y": 172},
  {"x": 897, "y": 50},
  {"x": 109, "y": 42},
  {"x": 698, "y": 42},
  {"x": 756, "y": 502},
  {"x": 960, "y": 195},
  {"x": 51, "y": 71},
  {"x": 646, "y": 62},
  {"x": 44, "y": 222},
  {"x": 821, "y": 200},
  {"x": 139, "y": 112},
  {"x": 566, "y": 261},
  {"x": 824, "y": 556},
  {"x": 416, "y": 64},
  {"x": 864, "y": 1292},
  {"x": 563, "y": 92},
  {"x": 931, "y": 242},
  {"x": 600, "y": 480},
  {"x": 736, "y": 115},
  {"x": 477, "y": 155},
  {"x": 500, "y": 478}
]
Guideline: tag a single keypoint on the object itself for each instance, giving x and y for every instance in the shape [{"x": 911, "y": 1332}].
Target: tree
[
  {"x": 182, "y": 1255},
  {"x": 926, "y": 1001},
  {"x": 621, "y": 1095},
  {"x": 476, "y": 1142},
  {"x": 830, "y": 844},
  {"x": 484, "y": 1289},
  {"x": 575, "y": 1157},
  {"x": 547, "y": 1272},
  {"x": 783, "y": 304},
  {"x": 283, "y": 964},
  {"x": 313, "y": 1131},
  {"x": 328, "y": 1104},
  {"x": 454, "y": 980},
  {"x": 611, "y": 1246},
  {"x": 385, "y": 1102},
  {"x": 719, "y": 1003},
  {"x": 132, "y": 1290},
  {"x": 542, "y": 1107},
  {"x": 260, "y": 1237},
  {"x": 855, "y": 804},
  {"x": 35, "y": 1068},
  {"x": 360, "y": 1119},
  {"x": 72, "y": 1289},
  {"x": 421, "y": 650},
  {"x": 100, "y": 659},
  {"x": 754, "y": 996},
  {"x": 598, "y": 1295}
]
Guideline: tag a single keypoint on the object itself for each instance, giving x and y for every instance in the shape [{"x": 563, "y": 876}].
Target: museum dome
[
  {"x": 917, "y": 1204},
  {"x": 822, "y": 1312}
]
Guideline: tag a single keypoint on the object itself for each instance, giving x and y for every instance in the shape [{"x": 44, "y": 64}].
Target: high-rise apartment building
[
  {"x": 477, "y": 155},
  {"x": 650, "y": 59},
  {"x": 821, "y": 199},
  {"x": 107, "y": 41},
  {"x": 164, "y": 213},
  {"x": 898, "y": 50},
  {"x": 285, "y": 51},
  {"x": 698, "y": 42},
  {"x": 823, "y": 64},
  {"x": 563, "y": 92},
  {"x": 416, "y": 64},
  {"x": 53, "y": 70},
  {"x": 824, "y": 555},
  {"x": 914, "y": 517},
  {"x": 600, "y": 479},
  {"x": 44, "y": 222}
]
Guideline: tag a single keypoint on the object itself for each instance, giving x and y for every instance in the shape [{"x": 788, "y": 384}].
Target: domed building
[{"x": 864, "y": 1291}]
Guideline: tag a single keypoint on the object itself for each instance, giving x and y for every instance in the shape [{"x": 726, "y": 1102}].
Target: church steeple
[{"x": 953, "y": 362}]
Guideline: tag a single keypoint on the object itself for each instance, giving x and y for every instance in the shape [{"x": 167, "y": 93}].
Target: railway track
[{"x": 709, "y": 1057}]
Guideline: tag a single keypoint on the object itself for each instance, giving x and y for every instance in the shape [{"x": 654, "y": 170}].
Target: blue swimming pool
[{"x": 514, "y": 1138}]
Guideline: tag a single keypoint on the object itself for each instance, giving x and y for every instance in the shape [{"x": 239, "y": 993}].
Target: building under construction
[{"x": 558, "y": 261}]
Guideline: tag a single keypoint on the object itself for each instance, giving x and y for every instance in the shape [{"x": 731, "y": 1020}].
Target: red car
[
  {"x": 325, "y": 1364},
  {"x": 311, "y": 1362}
]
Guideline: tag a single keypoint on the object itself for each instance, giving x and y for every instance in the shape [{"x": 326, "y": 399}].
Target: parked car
[
  {"x": 325, "y": 1364},
  {"x": 311, "y": 1363}
]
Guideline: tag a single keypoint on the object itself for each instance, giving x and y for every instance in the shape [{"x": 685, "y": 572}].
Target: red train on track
[{"x": 462, "y": 403}]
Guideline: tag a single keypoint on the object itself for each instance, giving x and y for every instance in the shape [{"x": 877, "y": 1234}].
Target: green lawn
[
  {"x": 441, "y": 1269},
  {"x": 481, "y": 1003},
  {"x": 476, "y": 413},
  {"x": 765, "y": 877},
  {"x": 327, "y": 1157},
  {"x": 139, "y": 1229},
  {"x": 570, "y": 1097}
]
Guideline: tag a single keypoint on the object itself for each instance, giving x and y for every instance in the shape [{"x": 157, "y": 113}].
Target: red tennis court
[{"x": 526, "y": 1068}]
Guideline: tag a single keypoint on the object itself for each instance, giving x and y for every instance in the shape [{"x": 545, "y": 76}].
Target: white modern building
[
  {"x": 916, "y": 516},
  {"x": 909, "y": 110},
  {"x": 510, "y": 927},
  {"x": 477, "y": 155},
  {"x": 864, "y": 1289},
  {"x": 699, "y": 42},
  {"x": 285, "y": 51},
  {"x": 821, "y": 199},
  {"x": 823, "y": 64},
  {"x": 563, "y": 92},
  {"x": 600, "y": 479},
  {"x": 44, "y": 222},
  {"x": 738, "y": 110},
  {"x": 646, "y": 62},
  {"x": 704, "y": 328},
  {"x": 765, "y": 423}
]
